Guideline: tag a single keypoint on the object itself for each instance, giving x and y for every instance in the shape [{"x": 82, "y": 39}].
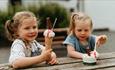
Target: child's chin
[
  {"x": 31, "y": 39},
  {"x": 82, "y": 38}
]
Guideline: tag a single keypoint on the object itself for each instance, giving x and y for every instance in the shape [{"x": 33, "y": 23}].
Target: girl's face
[
  {"x": 83, "y": 30},
  {"x": 28, "y": 29}
]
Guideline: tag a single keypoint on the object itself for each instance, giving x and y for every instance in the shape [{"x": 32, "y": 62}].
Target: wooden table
[{"x": 106, "y": 61}]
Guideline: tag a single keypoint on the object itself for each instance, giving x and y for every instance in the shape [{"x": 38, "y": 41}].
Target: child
[
  {"x": 22, "y": 29},
  {"x": 80, "y": 37}
]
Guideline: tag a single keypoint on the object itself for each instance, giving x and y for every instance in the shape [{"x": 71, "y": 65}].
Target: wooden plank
[
  {"x": 102, "y": 64},
  {"x": 111, "y": 68},
  {"x": 54, "y": 39},
  {"x": 5, "y": 66},
  {"x": 79, "y": 66},
  {"x": 66, "y": 63},
  {"x": 58, "y": 39},
  {"x": 55, "y": 30},
  {"x": 107, "y": 63},
  {"x": 107, "y": 55},
  {"x": 103, "y": 56},
  {"x": 105, "y": 60},
  {"x": 54, "y": 43},
  {"x": 55, "y": 67}
]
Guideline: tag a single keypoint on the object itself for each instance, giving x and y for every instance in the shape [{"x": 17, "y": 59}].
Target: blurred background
[{"x": 101, "y": 12}]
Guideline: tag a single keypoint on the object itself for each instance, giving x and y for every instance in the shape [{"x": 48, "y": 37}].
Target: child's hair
[
  {"x": 11, "y": 26},
  {"x": 78, "y": 18}
]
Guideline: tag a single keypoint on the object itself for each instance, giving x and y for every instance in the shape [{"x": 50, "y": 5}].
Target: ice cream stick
[
  {"x": 54, "y": 23},
  {"x": 95, "y": 44}
]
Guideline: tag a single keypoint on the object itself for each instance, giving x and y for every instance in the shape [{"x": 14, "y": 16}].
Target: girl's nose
[
  {"x": 32, "y": 30},
  {"x": 82, "y": 32}
]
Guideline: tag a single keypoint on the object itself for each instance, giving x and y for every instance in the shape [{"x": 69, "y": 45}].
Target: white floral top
[{"x": 18, "y": 49}]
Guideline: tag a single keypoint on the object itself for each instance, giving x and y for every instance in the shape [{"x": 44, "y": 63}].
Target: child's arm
[
  {"x": 27, "y": 61},
  {"x": 72, "y": 53}
]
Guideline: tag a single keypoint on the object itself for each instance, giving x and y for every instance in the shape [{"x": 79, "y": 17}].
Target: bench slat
[{"x": 106, "y": 60}]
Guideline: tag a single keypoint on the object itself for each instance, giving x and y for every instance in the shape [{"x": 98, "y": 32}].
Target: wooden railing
[{"x": 60, "y": 35}]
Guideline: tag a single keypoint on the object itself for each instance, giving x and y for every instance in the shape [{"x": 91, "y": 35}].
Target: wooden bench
[
  {"x": 106, "y": 61},
  {"x": 60, "y": 35}
]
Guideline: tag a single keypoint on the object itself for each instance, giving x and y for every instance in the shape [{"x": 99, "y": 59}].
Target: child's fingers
[
  {"x": 101, "y": 39},
  {"x": 53, "y": 61}
]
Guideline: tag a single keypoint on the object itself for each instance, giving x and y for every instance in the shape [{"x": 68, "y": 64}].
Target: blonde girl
[
  {"x": 79, "y": 35},
  {"x": 22, "y": 29}
]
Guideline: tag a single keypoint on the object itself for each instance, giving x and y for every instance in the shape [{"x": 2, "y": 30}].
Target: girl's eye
[
  {"x": 86, "y": 30},
  {"x": 27, "y": 28},
  {"x": 79, "y": 30},
  {"x": 34, "y": 27}
]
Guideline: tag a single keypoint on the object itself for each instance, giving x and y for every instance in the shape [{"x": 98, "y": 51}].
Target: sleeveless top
[{"x": 74, "y": 42}]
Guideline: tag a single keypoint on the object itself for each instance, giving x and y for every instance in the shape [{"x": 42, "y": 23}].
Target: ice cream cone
[
  {"x": 48, "y": 42},
  {"x": 48, "y": 34}
]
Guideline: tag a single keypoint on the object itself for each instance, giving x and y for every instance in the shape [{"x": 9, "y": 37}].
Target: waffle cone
[{"x": 48, "y": 42}]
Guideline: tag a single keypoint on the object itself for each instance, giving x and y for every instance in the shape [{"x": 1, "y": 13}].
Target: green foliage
[
  {"x": 53, "y": 11},
  {"x": 3, "y": 17}
]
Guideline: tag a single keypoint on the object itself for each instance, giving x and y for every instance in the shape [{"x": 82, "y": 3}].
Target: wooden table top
[{"x": 106, "y": 61}]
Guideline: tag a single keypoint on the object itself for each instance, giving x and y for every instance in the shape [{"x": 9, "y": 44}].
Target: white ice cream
[
  {"x": 88, "y": 59},
  {"x": 49, "y": 33}
]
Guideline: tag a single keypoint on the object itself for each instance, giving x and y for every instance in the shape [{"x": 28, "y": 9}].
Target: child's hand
[
  {"x": 101, "y": 39},
  {"x": 46, "y": 54},
  {"x": 84, "y": 56},
  {"x": 94, "y": 54},
  {"x": 53, "y": 59}
]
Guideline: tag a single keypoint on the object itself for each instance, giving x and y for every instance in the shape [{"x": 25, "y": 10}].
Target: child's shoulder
[
  {"x": 18, "y": 41},
  {"x": 71, "y": 37},
  {"x": 93, "y": 36},
  {"x": 17, "y": 44}
]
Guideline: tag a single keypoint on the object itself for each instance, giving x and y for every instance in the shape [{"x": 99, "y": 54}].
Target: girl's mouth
[
  {"x": 32, "y": 35},
  {"x": 82, "y": 37}
]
